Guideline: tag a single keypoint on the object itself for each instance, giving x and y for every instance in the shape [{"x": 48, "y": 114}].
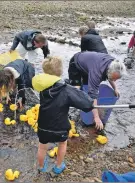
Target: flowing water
[{"x": 121, "y": 125}]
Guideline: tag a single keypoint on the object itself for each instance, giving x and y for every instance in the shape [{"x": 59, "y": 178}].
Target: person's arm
[
  {"x": 15, "y": 42},
  {"x": 46, "y": 50},
  {"x": 21, "y": 91},
  {"x": 79, "y": 99},
  {"x": 112, "y": 83},
  {"x": 84, "y": 44},
  {"x": 93, "y": 89}
]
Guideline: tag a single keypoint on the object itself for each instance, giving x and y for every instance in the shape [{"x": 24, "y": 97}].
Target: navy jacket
[
  {"x": 54, "y": 106},
  {"x": 26, "y": 71},
  {"x": 26, "y": 38},
  {"x": 92, "y": 41}
]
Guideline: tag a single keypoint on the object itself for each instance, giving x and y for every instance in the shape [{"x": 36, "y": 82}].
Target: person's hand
[
  {"x": 20, "y": 103},
  {"x": 11, "y": 50},
  {"x": 117, "y": 93},
  {"x": 8, "y": 100},
  {"x": 99, "y": 124}
]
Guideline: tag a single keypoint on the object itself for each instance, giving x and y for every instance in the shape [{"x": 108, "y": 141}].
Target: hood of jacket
[
  {"x": 43, "y": 81},
  {"x": 92, "y": 31}
]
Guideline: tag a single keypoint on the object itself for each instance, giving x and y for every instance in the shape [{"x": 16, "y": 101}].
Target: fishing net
[{"x": 7, "y": 57}]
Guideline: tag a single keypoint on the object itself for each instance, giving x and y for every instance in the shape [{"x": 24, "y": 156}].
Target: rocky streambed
[{"x": 85, "y": 159}]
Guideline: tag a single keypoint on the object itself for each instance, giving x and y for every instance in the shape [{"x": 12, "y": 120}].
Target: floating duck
[
  {"x": 9, "y": 175},
  {"x": 13, "y": 107},
  {"x": 102, "y": 139},
  {"x": 1, "y": 107},
  {"x": 53, "y": 152}
]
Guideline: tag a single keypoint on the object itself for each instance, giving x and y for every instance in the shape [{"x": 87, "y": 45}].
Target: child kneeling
[{"x": 55, "y": 99}]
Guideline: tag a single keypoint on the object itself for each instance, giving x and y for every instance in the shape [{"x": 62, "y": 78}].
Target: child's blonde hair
[{"x": 52, "y": 66}]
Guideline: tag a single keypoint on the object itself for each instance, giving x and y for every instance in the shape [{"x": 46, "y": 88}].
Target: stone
[
  {"x": 131, "y": 165},
  {"x": 88, "y": 160},
  {"x": 130, "y": 160},
  {"x": 123, "y": 43},
  {"x": 75, "y": 174},
  {"x": 81, "y": 157},
  {"x": 97, "y": 179},
  {"x": 119, "y": 32}
]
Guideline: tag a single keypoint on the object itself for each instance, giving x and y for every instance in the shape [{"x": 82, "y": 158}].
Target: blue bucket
[{"x": 106, "y": 97}]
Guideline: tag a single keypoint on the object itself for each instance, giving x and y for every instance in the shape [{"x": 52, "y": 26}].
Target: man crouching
[{"x": 55, "y": 99}]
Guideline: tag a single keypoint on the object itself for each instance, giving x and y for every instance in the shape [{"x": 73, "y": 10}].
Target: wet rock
[
  {"x": 97, "y": 179},
  {"x": 72, "y": 43},
  {"x": 88, "y": 180},
  {"x": 75, "y": 174},
  {"x": 131, "y": 165},
  {"x": 52, "y": 39},
  {"x": 53, "y": 175},
  {"x": 88, "y": 160},
  {"x": 112, "y": 39},
  {"x": 81, "y": 157},
  {"x": 122, "y": 43},
  {"x": 129, "y": 62},
  {"x": 119, "y": 32},
  {"x": 130, "y": 160},
  {"x": 60, "y": 40}
]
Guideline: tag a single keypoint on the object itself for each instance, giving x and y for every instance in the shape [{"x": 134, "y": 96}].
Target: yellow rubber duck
[
  {"x": 37, "y": 106},
  {"x": 1, "y": 107},
  {"x": 33, "y": 109},
  {"x": 102, "y": 139},
  {"x": 16, "y": 174},
  {"x": 30, "y": 114},
  {"x": 53, "y": 152},
  {"x": 13, "y": 122},
  {"x": 9, "y": 175},
  {"x": 31, "y": 121},
  {"x": 71, "y": 134},
  {"x": 7, "y": 121},
  {"x": 13, "y": 107},
  {"x": 23, "y": 118}
]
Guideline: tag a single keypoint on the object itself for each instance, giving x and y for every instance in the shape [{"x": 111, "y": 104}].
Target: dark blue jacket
[
  {"x": 26, "y": 71},
  {"x": 92, "y": 41},
  {"x": 26, "y": 37}
]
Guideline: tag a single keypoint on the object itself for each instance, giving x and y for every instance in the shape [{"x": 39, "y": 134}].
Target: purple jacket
[{"x": 95, "y": 65}]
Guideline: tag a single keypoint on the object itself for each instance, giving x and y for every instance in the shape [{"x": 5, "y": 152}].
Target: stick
[{"x": 130, "y": 106}]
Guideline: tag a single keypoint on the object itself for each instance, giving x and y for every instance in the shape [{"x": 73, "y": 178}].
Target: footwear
[
  {"x": 59, "y": 170},
  {"x": 44, "y": 169}
]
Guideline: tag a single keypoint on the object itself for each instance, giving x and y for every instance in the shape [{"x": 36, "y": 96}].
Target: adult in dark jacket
[
  {"x": 91, "y": 68},
  {"x": 91, "y": 40},
  {"x": 20, "y": 73},
  {"x": 30, "y": 42}
]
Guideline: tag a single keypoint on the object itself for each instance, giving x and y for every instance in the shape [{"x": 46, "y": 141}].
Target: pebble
[
  {"x": 97, "y": 179},
  {"x": 81, "y": 157},
  {"x": 131, "y": 165},
  {"x": 88, "y": 160},
  {"x": 130, "y": 160},
  {"x": 75, "y": 174}
]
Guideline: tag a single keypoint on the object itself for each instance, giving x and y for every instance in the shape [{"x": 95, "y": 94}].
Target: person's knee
[{"x": 42, "y": 147}]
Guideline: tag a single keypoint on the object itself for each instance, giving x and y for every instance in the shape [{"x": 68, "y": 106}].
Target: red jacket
[{"x": 132, "y": 42}]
